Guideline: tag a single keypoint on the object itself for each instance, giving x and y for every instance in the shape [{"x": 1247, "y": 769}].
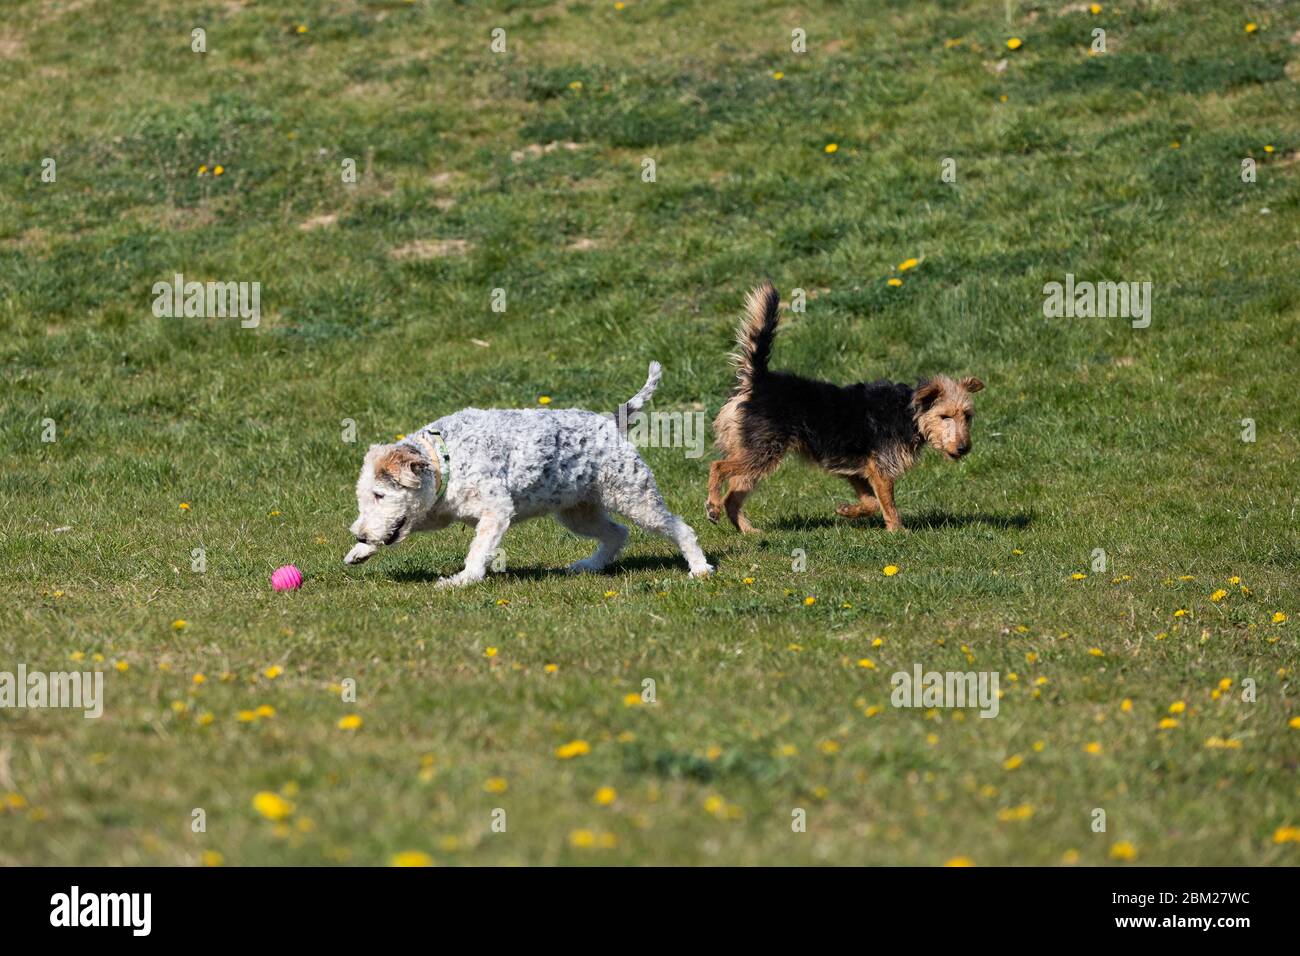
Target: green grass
[{"x": 1091, "y": 434}]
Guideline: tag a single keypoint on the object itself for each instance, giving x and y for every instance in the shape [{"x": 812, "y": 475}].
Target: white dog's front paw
[
  {"x": 703, "y": 571},
  {"x": 360, "y": 552},
  {"x": 458, "y": 580}
]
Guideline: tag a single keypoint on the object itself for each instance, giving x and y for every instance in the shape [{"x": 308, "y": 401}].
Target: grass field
[{"x": 181, "y": 433}]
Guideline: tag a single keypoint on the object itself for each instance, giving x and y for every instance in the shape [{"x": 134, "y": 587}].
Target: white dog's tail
[{"x": 633, "y": 404}]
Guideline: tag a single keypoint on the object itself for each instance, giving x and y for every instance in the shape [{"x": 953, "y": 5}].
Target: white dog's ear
[{"x": 401, "y": 465}]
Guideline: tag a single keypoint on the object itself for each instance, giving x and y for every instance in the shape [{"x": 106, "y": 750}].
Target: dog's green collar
[{"x": 439, "y": 456}]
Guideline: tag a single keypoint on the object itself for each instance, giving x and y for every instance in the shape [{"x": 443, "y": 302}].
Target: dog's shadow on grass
[
  {"x": 916, "y": 521},
  {"x": 543, "y": 572}
]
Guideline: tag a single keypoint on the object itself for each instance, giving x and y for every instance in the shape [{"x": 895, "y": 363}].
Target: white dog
[{"x": 489, "y": 468}]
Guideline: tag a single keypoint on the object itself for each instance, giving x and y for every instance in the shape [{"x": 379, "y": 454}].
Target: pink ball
[{"x": 287, "y": 578}]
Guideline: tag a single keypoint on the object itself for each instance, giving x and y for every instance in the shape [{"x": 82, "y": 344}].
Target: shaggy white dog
[{"x": 491, "y": 468}]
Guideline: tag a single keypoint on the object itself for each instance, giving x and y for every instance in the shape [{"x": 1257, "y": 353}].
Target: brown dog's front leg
[
  {"x": 867, "y": 503},
  {"x": 884, "y": 486}
]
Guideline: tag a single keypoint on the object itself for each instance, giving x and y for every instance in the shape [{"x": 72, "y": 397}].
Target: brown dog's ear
[
  {"x": 971, "y": 384},
  {"x": 400, "y": 465},
  {"x": 925, "y": 394}
]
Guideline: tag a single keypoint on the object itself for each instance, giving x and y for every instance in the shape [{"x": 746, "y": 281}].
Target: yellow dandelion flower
[
  {"x": 1094, "y": 9},
  {"x": 894, "y": 282},
  {"x": 246, "y": 716},
  {"x": 122, "y": 667},
  {"x": 1078, "y": 576},
  {"x": 349, "y": 722},
  {"x": 265, "y": 710},
  {"x": 809, "y": 601},
  {"x": 712, "y": 752},
  {"x": 272, "y": 805},
  {"x": 180, "y": 624},
  {"x": 889, "y": 570},
  {"x": 301, "y": 28},
  {"x": 829, "y": 747},
  {"x": 218, "y": 170},
  {"x": 1181, "y": 612},
  {"x": 1092, "y": 747},
  {"x": 211, "y": 858},
  {"x": 1013, "y": 814},
  {"x": 1167, "y": 723},
  {"x": 205, "y": 718},
  {"x": 868, "y": 663},
  {"x": 544, "y": 400},
  {"x": 1123, "y": 850},
  {"x": 960, "y": 861},
  {"x": 272, "y": 672},
  {"x": 1126, "y": 705},
  {"x": 551, "y": 668},
  {"x": 778, "y": 75},
  {"x": 575, "y": 85},
  {"x": 1096, "y": 652},
  {"x": 1294, "y": 723},
  {"x": 1015, "y": 43},
  {"x": 604, "y": 796},
  {"x": 411, "y": 858},
  {"x": 582, "y": 839},
  {"x": 490, "y": 652},
  {"x": 610, "y": 594},
  {"x": 832, "y": 147},
  {"x": 1286, "y": 834},
  {"x": 185, "y": 505},
  {"x": 907, "y": 264},
  {"x": 574, "y": 748},
  {"x": 199, "y": 679},
  {"x": 1013, "y": 762},
  {"x": 1279, "y": 617},
  {"x": 496, "y": 785},
  {"x": 1252, "y": 27},
  {"x": 1177, "y": 707}
]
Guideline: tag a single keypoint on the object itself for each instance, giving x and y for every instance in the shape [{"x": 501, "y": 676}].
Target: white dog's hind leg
[
  {"x": 488, "y": 533},
  {"x": 651, "y": 514},
  {"x": 591, "y": 521}
]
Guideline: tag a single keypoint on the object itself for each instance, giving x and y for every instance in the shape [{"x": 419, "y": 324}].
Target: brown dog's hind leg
[
  {"x": 867, "y": 504},
  {"x": 740, "y": 489},
  {"x": 717, "y": 479}
]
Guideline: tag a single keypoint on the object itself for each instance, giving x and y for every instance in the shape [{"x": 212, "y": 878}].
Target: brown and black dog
[{"x": 870, "y": 432}]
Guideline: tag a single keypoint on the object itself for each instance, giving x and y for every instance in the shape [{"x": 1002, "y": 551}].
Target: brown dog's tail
[{"x": 754, "y": 338}]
